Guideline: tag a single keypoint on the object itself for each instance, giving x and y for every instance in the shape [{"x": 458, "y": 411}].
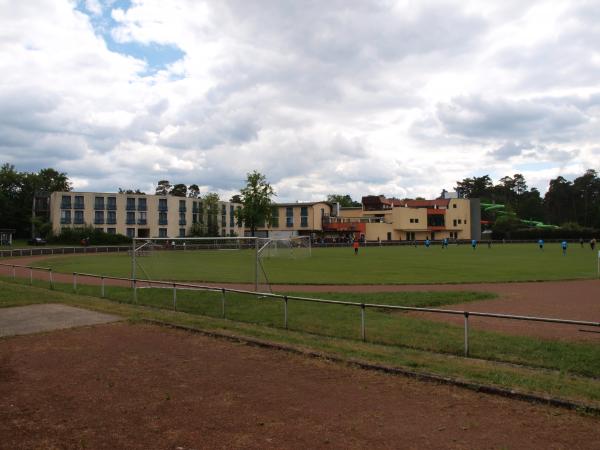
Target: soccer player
[
  {"x": 541, "y": 244},
  {"x": 474, "y": 244},
  {"x": 427, "y": 243},
  {"x": 564, "y": 247},
  {"x": 355, "y": 245}
]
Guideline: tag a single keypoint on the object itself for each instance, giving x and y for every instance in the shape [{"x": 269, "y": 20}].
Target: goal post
[{"x": 212, "y": 260}]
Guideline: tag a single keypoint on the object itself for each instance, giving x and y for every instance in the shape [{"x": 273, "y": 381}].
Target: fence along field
[{"x": 372, "y": 265}]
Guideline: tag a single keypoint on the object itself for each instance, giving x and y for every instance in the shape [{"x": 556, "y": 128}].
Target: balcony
[
  {"x": 99, "y": 206},
  {"x": 111, "y": 221},
  {"x": 130, "y": 207},
  {"x": 130, "y": 221},
  {"x": 98, "y": 221},
  {"x": 65, "y": 221},
  {"x": 182, "y": 209},
  {"x": 77, "y": 221},
  {"x": 182, "y": 222},
  {"x": 65, "y": 206},
  {"x": 111, "y": 207},
  {"x": 163, "y": 222},
  {"x": 163, "y": 208},
  {"x": 79, "y": 206},
  {"x": 142, "y": 208},
  {"x": 142, "y": 222}
]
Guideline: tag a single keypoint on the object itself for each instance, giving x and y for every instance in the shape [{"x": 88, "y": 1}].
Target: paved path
[{"x": 48, "y": 317}]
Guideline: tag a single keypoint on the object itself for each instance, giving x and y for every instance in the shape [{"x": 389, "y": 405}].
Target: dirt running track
[
  {"x": 142, "y": 386},
  {"x": 574, "y": 300}
]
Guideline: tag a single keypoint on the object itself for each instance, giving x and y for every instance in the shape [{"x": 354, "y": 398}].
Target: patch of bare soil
[{"x": 141, "y": 386}]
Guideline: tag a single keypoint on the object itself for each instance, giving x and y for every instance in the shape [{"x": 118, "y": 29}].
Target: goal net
[{"x": 241, "y": 261}]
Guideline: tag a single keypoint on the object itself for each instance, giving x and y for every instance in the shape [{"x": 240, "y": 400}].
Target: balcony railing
[
  {"x": 163, "y": 208},
  {"x": 65, "y": 206},
  {"x": 79, "y": 206},
  {"x": 99, "y": 206},
  {"x": 78, "y": 221},
  {"x": 98, "y": 221},
  {"x": 130, "y": 207},
  {"x": 143, "y": 207},
  {"x": 182, "y": 209},
  {"x": 111, "y": 207},
  {"x": 111, "y": 221},
  {"x": 130, "y": 221},
  {"x": 163, "y": 222},
  {"x": 142, "y": 222},
  {"x": 64, "y": 221},
  {"x": 182, "y": 222}
]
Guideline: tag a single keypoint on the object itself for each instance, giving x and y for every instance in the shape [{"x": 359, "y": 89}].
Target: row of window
[
  {"x": 459, "y": 222},
  {"x": 132, "y": 204},
  {"x": 414, "y": 220}
]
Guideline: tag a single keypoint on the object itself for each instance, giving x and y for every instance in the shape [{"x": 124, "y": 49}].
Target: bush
[
  {"x": 74, "y": 236},
  {"x": 537, "y": 233}
]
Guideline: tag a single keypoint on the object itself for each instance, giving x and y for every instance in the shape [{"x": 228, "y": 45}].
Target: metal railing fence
[
  {"x": 39, "y": 251},
  {"x": 135, "y": 284}
]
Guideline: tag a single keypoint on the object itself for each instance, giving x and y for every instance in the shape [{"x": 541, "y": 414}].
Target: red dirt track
[
  {"x": 573, "y": 300},
  {"x": 142, "y": 386}
]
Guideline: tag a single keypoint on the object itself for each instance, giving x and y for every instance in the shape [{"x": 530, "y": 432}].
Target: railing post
[
  {"x": 102, "y": 286},
  {"x": 466, "y": 333},
  {"x": 223, "y": 302},
  {"x": 74, "y": 281},
  {"x": 362, "y": 322},
  {"x": 51, "y": 279},
  {"x": 175, "y": 296},
  {"x": 285, "y": 311}
]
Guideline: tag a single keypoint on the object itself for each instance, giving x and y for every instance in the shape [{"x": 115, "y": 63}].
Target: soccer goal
[{"x": 214, "y": 260}]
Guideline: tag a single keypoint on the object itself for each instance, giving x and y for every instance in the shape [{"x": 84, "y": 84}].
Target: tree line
[{"x": 568, "y": 204}]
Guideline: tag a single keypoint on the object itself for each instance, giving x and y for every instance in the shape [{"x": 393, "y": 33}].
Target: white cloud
[{"x": 357, "y": 97}]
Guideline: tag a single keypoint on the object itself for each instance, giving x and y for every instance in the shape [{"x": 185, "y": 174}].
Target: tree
[
  {"x": 179, "y": 190},
  {"x": 236, "y": 198},
  {"x": 163, "y": 187},
  {"x": 345, "y": 201},
  {"x": 211, "y": 208},
  {"x": 476, "y": 187},
  {"x": 193, "y": 191},
  {"x": 558, "y": 201},
  {"x": 256, "y": 201},
  {"x": 130, "y": 191}
]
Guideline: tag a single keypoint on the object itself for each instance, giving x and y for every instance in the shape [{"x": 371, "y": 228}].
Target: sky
[{"x": 401, "y": 98}]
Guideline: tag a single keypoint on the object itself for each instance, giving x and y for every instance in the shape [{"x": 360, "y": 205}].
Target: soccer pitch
[{"x": 372, "y": 265}]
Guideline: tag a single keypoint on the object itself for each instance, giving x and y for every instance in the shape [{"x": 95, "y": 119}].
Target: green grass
[
  {"x": 382, "y": 326},
  {"x": 526, "y": 379},
  {"x": 373, "y": 265}
]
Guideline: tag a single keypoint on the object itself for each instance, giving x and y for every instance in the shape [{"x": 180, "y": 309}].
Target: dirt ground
[
  {"x": 574, "y": 300},
  {"x": 142, "y": 386}
]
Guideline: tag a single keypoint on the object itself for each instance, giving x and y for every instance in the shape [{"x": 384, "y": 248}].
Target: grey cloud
[
  {"x": 509, "y": 149},
  {"x": 476, "y": 117}
]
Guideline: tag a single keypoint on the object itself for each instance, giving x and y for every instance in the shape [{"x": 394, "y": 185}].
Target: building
[
  {"x": 385, "y": 219},
  {"x": 295, "y": 219},
  {"x": 140, "y": 215}
]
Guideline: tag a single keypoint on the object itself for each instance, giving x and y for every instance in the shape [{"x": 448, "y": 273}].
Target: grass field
[
  {"x": 373, "y": 265},
  {"x": 395, "y": 340}
]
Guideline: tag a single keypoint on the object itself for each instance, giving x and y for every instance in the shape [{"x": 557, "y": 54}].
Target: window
[
  {"x": 182, "y": 232},
  {"x": 130, "y": 218},
  {"x": 112, "y": 217},
  {"x": 162, "y": 232},
  {"x": 79, "y": 202},
  {"x": 412, "y": 220},
  {"x": 162, "y": 218},
  {"x": 65, "y": 202},
  {"x": 182, "y": 207},
  {"x": 142, "y": 218},
  {"x": 231, "y": 216},
  {"x": 78, "y": 218},
  {"x": 131, "y": 232},
  {"x": 465, "y": 221},
  {"x": 65, "y": 216},
  {"x": 275, "y": 217},
  {"x": 130, "y": 204},
  {"x": 454, "y": 222},
  {"x": 454, "y": 205},
  {"x": 194, "y": 218},
  {"x": 182, "y": 218},
  {"x": 99, "y": 203},
  {"x": 142, "y": 204},
  {"x": 162, "y": 204},
  {"x": 111, "y": 230},
  {"x": 111, "y": 204},
  {"x": 304, "y": 216},
  {"x": 459, "y": 221},
  {"x": 195, "y": 207},
  {"x": 289, "y": 217},
  {"x": 99, "y": 217}
]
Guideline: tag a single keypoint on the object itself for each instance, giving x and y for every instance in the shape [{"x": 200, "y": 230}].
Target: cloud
[{"x": 357, "y": 97}]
